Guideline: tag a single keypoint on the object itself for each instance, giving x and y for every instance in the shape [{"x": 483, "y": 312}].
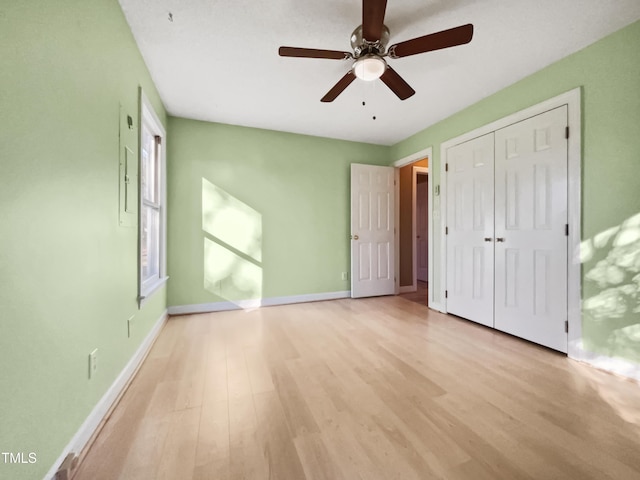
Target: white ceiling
[{"x": 218, "y": 60}]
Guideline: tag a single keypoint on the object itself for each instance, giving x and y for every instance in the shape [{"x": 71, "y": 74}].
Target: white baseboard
[
  {"x": 256, "y": 303},
  {"x": 92, "y": 422},
  {"x": 407, "y": 289},
  {"x": 618, "y": 366}
]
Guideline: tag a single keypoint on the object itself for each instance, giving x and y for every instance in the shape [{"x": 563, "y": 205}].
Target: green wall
[
  {"x": 292, "y": 193},
  {"x": 609, "y": 73},
  {"x": 67, "y": 270},
  {"x": 256, "y": 201}
]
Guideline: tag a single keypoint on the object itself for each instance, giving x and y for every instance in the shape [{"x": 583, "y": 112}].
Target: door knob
[
  {"x": 487, "y": 239},
  {"x": 356, "y": 237},
  {"x": 500, "y": 239}
]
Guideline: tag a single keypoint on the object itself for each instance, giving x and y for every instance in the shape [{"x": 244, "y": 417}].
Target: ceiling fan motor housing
[{"x": 361, "y": 46}]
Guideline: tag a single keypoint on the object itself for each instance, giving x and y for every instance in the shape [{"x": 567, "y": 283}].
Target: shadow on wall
[
  {"x": 232, "y": 247},
  {"x": 611, "y": 306}
]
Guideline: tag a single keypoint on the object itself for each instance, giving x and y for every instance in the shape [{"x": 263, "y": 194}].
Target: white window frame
[{"x": 147, "y": 116}]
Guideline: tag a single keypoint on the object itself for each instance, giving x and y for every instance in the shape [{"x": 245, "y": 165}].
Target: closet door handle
[
  {"x": 500, "y": 239},
  {"x": 487, "y": 239}
]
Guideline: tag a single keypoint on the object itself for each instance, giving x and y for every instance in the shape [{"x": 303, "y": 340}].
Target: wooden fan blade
[
  {"x": 339, "y": 87},
  {"x": 313, "y": 53},
  {"x": 435, "y": 41},
  {"x": 397, "y": 84},
  {"x": 373, "y": 19}
]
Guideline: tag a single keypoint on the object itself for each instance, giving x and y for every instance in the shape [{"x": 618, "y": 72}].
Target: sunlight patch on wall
[
  {"x": 611, "y": 306},
  {"x": 232, "y": 254},
  {"x": 231, "y": 221},
  {"x": 230, "y": 276}
]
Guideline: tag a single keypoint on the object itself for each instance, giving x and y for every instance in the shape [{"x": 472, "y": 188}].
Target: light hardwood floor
[
  {"x": 419, "y": 296},
  {"x": 378, "y": 388}
]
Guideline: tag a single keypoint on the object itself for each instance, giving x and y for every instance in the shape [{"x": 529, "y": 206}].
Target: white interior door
[
  {"x": 372, "y": 231},
  {"x": 470, "y": 215},
  {"x": 422, "y": 234},
  {"x": 531, "y": 242}
]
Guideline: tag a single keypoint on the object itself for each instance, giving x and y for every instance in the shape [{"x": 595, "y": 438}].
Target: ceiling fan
[{"x": 369, "y": 42}]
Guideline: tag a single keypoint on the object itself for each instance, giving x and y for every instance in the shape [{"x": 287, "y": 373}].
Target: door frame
[
  {"x": 414, "y": 157},
  {"x": 572, "y": 99},
  {"x": 415, "y": 171}
]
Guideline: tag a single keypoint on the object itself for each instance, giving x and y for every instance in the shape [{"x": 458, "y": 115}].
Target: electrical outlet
[
  {"x": 345, "y": 275},
  {"x": 93, "y": 363},
  {"x": 130, "y": 326}
]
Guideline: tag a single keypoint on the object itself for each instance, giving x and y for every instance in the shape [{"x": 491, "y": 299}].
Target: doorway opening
[
  {"x": 412, "y": 214},
  {"x": 420, "y": 230}
]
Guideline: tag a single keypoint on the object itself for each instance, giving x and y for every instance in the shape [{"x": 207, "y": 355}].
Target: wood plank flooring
[
  {"x": 419, "y": 296},
  {"x": 378, "y": 388}
]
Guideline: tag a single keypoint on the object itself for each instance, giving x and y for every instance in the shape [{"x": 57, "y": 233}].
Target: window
[{"x": 151, "y": 262}]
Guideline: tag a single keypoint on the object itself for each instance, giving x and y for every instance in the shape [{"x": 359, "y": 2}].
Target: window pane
[
  {"x": 144, "y": 162},
  {"x": 150, "y": 245},
  {"x": 148, "y": 167},
  {"x": 144, "y": 250}
]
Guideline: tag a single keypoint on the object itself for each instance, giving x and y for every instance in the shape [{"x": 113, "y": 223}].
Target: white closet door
[
  {"x": 530, "y": 219},
  {"x": 372, "y": 231},
  {"x": 470, "y": 213}
]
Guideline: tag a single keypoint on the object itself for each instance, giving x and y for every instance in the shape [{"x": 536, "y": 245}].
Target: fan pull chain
[
  {"x": 364, "y": 95},
  {"x": 373, "y": 87}
]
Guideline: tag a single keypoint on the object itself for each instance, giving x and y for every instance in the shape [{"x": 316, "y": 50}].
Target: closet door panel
[
  {"x": 470, "y": 222},
  {"x": 530, "y": 218}
]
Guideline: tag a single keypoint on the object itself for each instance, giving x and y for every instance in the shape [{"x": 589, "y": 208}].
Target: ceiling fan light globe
[{"x": 369, "y": 67}]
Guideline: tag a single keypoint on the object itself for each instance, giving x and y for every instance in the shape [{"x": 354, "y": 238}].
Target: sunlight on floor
[{"x": 623, "y": 402}]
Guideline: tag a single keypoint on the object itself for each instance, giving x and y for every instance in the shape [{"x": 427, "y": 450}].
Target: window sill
[{"x": 150, "y": 291}]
